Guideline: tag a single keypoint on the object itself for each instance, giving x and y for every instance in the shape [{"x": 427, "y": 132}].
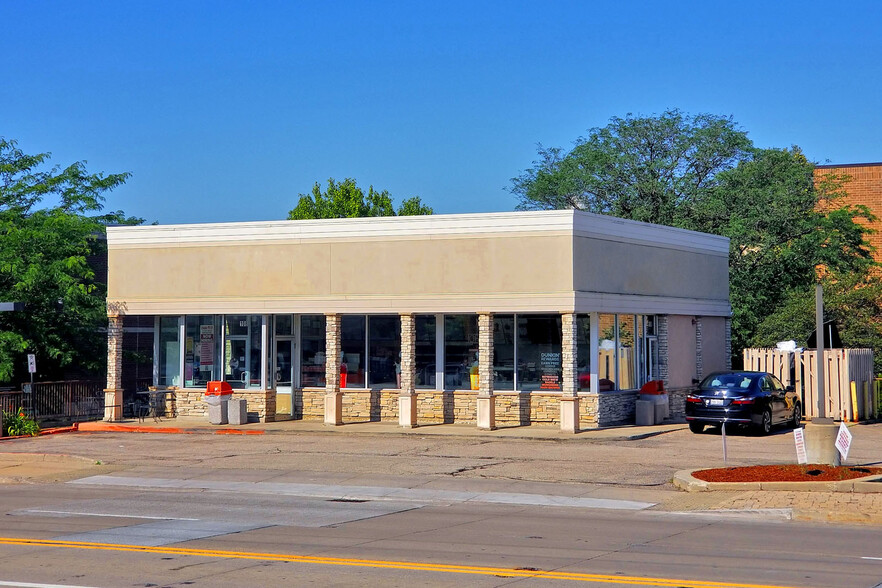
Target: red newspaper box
[{"x": 218, "y": 389}]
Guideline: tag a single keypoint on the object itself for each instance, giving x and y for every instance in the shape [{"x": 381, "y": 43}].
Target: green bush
[{"x": 18, "y": 423}]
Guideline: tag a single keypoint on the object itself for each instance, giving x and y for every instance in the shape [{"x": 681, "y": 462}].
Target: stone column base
[
  {"x": 334, "y": 409},
  {"x": 113, "y": 398},
  {"x": 407, "y": 411},
  {"x": 486, "y": 413},
  {"x": 569, "y": 414}
]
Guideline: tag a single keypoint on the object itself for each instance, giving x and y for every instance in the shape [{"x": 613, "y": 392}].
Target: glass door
[{"x": 284, "y": 376}]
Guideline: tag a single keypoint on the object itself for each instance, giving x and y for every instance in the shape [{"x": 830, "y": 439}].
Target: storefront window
[
  {"x": 503, "y": 352},
  {"x": 606, "y": 345},
  {"x": 460, "y": 349},
  {"x": 384, "y": 346},
  {"x": 202, "y": 350},
  {"x": 284, "y": 324},
  {"x": 583, "y": 351},
  {"x": 627, "y": 354},
  {"x": 312, "y": 345},
  {"x": 242, "y": 350},
  {"x": 169, "y": 352},
  {"x": 352, "y": 342},
  {"x": 539, "y": 352},
  {"x": 425, "y": 351}
]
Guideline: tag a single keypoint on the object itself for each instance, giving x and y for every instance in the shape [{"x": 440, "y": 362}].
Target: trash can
[
  {"x": 237, "y": 411},
  {"x": 654, "y": 393},
  {"x": 217, "y": 397}
]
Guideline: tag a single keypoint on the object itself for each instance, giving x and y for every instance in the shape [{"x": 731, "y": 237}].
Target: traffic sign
[{"x": 32, "y": 363}]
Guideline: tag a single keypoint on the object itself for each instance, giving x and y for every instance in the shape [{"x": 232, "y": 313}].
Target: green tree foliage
[
  {"x": 702, "y": 173},
  {"x": 51, "y": 224},
  {"x": 347, "y": 200},
  {"x": 650, "y": 169}
]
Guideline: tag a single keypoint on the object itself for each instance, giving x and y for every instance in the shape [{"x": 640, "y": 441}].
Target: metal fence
[
  {"x": 58, "y": 401},
  {"x": 852, "y": 394}
]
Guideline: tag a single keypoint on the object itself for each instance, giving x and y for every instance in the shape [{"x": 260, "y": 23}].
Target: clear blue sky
[{"x": 226, "y": 111}]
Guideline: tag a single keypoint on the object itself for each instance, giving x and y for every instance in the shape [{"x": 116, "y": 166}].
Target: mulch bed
[{"x": 812, "y": 472}]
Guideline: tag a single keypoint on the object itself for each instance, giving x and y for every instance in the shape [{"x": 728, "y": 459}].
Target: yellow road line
[{"x": 392, "y": 565}]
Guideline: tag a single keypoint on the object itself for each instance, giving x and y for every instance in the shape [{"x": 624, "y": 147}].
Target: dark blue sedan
[{"x": 756, "y": 399}]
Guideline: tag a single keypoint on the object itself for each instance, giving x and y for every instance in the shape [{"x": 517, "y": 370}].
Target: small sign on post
[
  {"x": 32, "y": 363},
  {"x": 843, "y": 441},
  {"x": 799, "y": 439}
]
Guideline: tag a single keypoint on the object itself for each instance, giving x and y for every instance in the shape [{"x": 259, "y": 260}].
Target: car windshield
[{"x": 741, "y": 381}]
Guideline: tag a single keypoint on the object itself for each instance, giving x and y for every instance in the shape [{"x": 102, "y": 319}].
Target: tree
[
  {"x": 347, "y": 200},
  {"x": 782, "y": 226},
  {"x": 644, "y": 168},
  {"x": 702, "y": 173},
  {"x": 44, "y": 255}
]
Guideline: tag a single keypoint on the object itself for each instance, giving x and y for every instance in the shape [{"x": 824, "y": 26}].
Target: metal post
[
  {"x": 725, "y": 456},
  {"x": 819, "y": 329}
]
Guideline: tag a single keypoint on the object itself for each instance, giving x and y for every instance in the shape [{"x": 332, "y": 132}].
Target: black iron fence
[{"x": 74, "y": 400}]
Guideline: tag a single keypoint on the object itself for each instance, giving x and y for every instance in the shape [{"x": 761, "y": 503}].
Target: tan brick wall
[
  {"x": 370, "y": 405},
  {"x": 447, "y": 407},
  {"x": 261, "y": 403},
  {"x": 311, "y": 403},
  {"x": 864, "y": 187}
]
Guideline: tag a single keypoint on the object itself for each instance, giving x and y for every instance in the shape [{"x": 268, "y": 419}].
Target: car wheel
[
  {"x": 696, "y": 427},
  {"x": 765, "y": 426},
  {"x": 796, "y": 417}
]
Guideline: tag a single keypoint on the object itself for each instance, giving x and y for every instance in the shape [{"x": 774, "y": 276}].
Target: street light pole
[{"x": 820, "y": 433}]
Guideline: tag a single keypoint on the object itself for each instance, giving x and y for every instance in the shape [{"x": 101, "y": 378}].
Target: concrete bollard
[
  {"x": 237, "y": 411},
  {"x": 645, "y": 413}
]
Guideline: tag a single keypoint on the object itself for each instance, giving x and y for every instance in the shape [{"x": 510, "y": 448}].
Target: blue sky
[{"x": 226, "y": 111}]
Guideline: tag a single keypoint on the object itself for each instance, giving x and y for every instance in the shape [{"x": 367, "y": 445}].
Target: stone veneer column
[
  {"x": 486, "y": 403},
  {"x": 569, "y": 400},
  {"x": 728, "y": 343},
  {"x": 662, "y": 332},
  {"x": 407, "y": 399},
  {"x": 699, "y": 351},
  {"x": 113, "y": 394},
  {"x": 333, "y": 394}
]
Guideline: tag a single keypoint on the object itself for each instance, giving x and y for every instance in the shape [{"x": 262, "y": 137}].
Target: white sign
[
  {"x": 843, "y": 441},
  {"x": 799, "y": 439},
  {"x": 32, "y": 363}
]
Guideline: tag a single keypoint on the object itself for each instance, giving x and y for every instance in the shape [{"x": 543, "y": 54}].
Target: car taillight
[
  {"x": 693, "y": 398},
  {"x": 743, "y": 400}
]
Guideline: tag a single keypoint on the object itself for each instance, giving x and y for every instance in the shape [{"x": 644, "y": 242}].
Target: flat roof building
[{"x": 553, "y": 317}]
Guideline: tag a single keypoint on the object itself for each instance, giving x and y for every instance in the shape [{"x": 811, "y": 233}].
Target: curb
[
  {"x": 684, "y": 480},
  {"x": 53, "y": 431},
  {"x": 102, "y": 427}
]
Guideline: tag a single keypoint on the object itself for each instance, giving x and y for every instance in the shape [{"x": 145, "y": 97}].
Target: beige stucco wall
[
  {"x": 356, "y": 275},
  {"x": 713, "y": 344},
  {"x": 628, "y": 268},
  {"x": 547, "y": 261},
  {"x": 681, "y": 351}
]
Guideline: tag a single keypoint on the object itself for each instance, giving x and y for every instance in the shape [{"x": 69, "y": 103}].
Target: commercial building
[{"x": 554, "y": 317}]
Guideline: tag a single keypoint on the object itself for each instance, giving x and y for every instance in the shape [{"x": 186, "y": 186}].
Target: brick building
[{"x": 864, "y": 187}]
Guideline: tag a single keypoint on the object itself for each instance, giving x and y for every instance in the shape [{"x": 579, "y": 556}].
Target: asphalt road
[{"x": 336, "y": 510}]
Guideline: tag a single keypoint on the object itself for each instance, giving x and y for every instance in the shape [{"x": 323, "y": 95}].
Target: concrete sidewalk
[{"x": 197, "y": 425}]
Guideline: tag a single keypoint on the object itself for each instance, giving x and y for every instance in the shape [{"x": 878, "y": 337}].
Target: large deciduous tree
[
  {"x": 702, "y": 173},
  {"x": 347, "y": 200},
  {"x": 650, "y": 169},
  {"x": 51, "y": 224}
]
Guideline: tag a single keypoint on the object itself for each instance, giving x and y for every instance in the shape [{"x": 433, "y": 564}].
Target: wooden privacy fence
[
  {"x": 851, "y": 392},
  {"x": 58, "y": 401}
]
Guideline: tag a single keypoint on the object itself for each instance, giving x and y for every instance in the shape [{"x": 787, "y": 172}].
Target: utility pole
[{"x": 820, "y": 433}]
